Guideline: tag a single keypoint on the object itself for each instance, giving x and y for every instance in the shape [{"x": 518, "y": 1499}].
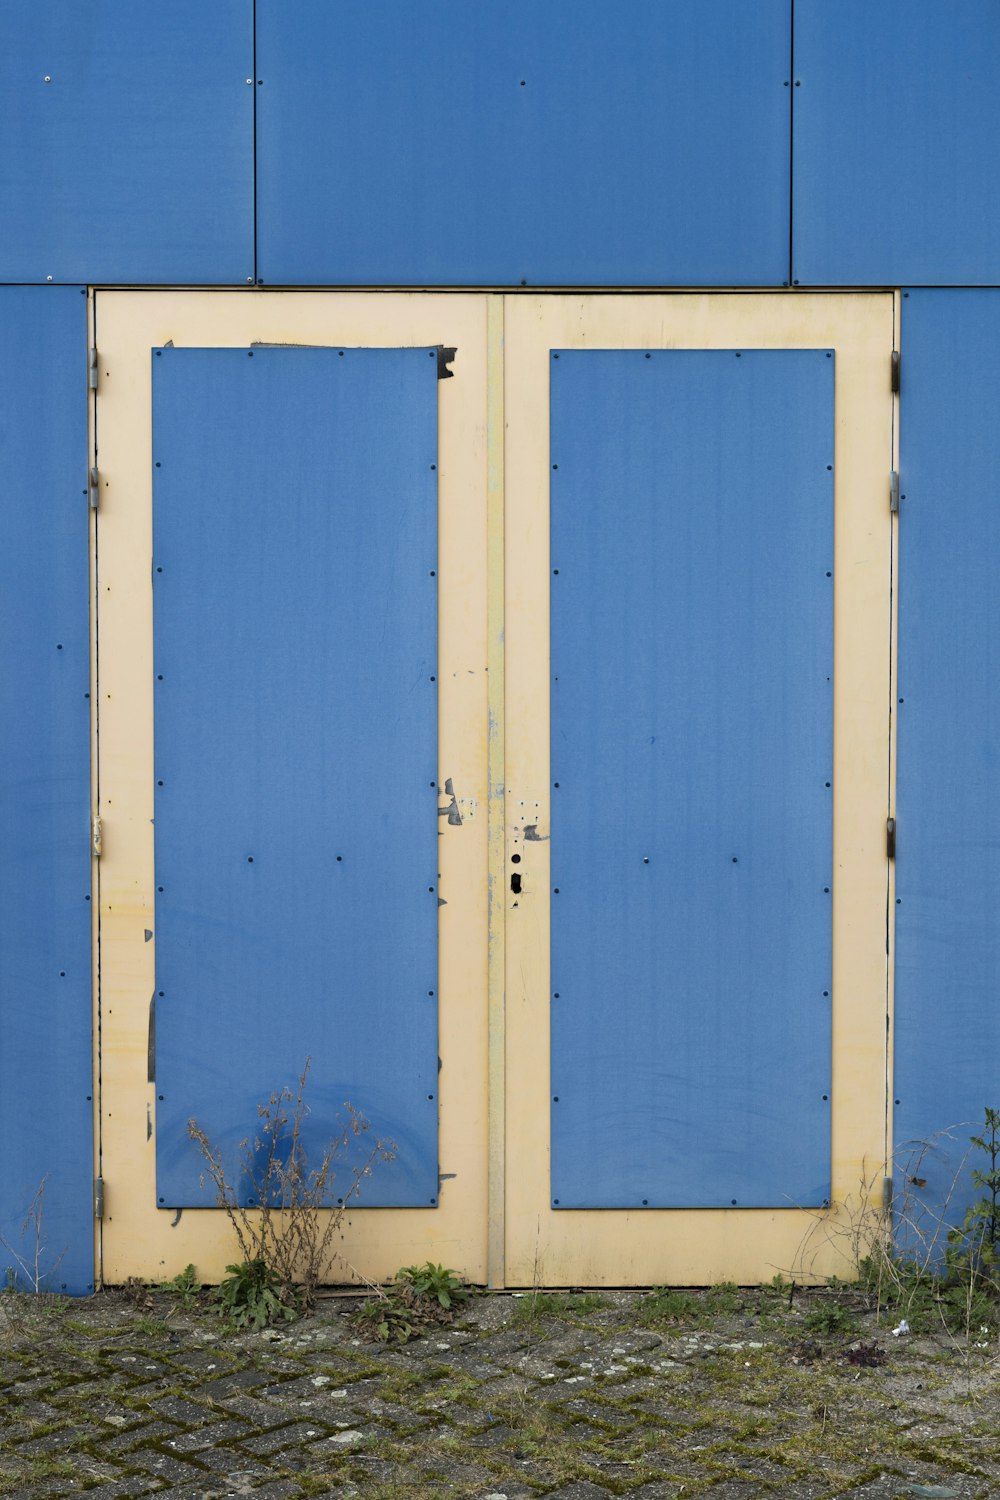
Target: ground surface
[{"x": 724, "y": 1394}]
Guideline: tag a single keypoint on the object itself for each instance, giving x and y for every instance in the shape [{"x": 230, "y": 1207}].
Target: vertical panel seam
[
  {"x": 253, "y": 85},
  {"x": 791, "y": 141}
]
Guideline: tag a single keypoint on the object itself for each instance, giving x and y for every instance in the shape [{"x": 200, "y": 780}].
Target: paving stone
[
  {"x": 579, "y": 1491},
  {"x": 229, "y": 1430},
  {"x": 177, "y": 1409},
  {"x": 165, "y": 1465},
  {"x": 237, "y": 1380},
  {"x": 139, "y": 1435},
  {"x": 657, "y": 1489},
  {"x": 284, "y": 1437},
  {"x": 129, "y": 1488}
]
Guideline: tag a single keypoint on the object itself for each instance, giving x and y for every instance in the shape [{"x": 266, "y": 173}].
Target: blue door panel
[
  {"x": 947, "y": 1012},
  {"x": 126, "y": 141},
  {"x": 562, "y": 144},
  {"x": 295, "y": 527},
  {"x": 692, "y": 545},
  {"x": 896, "y": 141},
  {"x": 45, "y": 912}
]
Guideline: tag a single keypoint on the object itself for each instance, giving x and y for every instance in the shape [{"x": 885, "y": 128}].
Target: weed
[
  {"x": 253, "y": 1295},
  {"x": 667, "y": 1305},
  {"x": 417, "y": 1297},
  {"x": 34, "y": 1267},
  {"x": 153, "y": 1327},
  {"x": 724, "y": 1297},
  {"x": 185, "y": 1286},
  {"x": 974, "y": 1246},
  {"x": 291, "y": 1228},
  {"x": 916, "y": 1262},
  {"x": 569, "y": 1305},
  {"x": 436, "y": 1282},
  {"x": 830, "y": 1317}
]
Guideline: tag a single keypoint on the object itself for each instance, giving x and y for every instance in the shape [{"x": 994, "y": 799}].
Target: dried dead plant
[{"x": 287, "y": 1233}]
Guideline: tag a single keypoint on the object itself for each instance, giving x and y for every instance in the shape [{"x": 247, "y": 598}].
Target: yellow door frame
[
  {"x": 682, "y": 1246},
  {"x": 138, "y": 1239},
  {"x": 494, "y": 1221}
]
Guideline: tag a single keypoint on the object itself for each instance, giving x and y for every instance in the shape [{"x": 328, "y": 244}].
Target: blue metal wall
[
  {"x": 45, "y": 915},
  {"x": 571, "y": 143},
  {"x": 692, "y": 745},
  {"x": 295, "y": 613},
  {"x": 897, "y": 138},
  {"x": 948, "y": 859},
  {"x": 699, "y": 144},
  {"x": 126, "y": 141}
]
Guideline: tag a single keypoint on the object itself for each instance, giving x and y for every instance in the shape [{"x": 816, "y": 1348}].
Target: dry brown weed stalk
[{"x": 296, "y": 1217}]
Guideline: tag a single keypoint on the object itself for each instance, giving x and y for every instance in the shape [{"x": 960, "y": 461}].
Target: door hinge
[
  {"x": 886, "y": 1195},
  {"x": 96, "y": 838},
  {"x": 92, "y": 369},
  {"x": 98, "y": 1197},
  {"x": 893, "y": 491},
  {"x": 890, "y": 837},
  {"x": 895, "y": 372},
  {"x": 94, "y": 489}
]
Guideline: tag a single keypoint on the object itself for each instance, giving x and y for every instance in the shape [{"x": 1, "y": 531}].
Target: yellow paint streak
[{"x": 138, "y": 1238}]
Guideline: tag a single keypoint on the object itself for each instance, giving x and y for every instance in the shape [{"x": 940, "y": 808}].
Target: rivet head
[
  {"x": 47, "y": 78},
  {"x": 250, "y": 280},
  {"x": 48, "y": 278}
]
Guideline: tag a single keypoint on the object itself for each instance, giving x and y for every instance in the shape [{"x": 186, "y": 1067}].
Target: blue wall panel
[
  {"x": 947, "y": 1048},
  {"x": 692, "y": 541},
  {"x": 295, "y": 532},
  {"x": 45, "y": 912},
  {"x": 573, "y": 142},
  {"x": 897, "y": 137},
  {"x": 126, "y": 141}
]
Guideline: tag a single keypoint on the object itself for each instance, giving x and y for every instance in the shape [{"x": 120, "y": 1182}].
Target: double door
[{"x": 493, "y": 694}]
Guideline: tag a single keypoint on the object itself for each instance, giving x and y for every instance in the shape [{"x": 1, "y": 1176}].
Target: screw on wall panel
[
  {"x": 47, "y": 78},
  {"x": 250, "y": 81},
  {"x": 249, "y": 280},
  {"x": 48, "y": 278}
]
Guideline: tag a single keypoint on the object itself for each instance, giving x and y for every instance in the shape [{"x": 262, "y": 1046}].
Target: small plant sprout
[{"x": 286, "y": 1242}]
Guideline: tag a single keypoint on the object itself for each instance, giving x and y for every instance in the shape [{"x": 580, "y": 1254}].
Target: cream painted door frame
[
  {"x": 563, "y": 1247},
  {"x": 138, "y": 1238},
  {"x": 494, "y": 1220}
]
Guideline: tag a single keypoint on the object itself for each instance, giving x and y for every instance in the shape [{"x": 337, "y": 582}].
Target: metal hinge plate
[
  {"x": 893, "y": 491},
  {"x": 94, "y": 489},
  {"x": 98, "y": 1197},
  {"x": 890, "y": 837},
  {"x": 92, "y": 369},
  {"x": 96, "y": 838},
  {"x": 895, "y": 372}
]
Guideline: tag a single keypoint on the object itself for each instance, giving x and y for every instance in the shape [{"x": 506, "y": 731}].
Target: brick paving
[{"x": 577, "y": 1399}]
